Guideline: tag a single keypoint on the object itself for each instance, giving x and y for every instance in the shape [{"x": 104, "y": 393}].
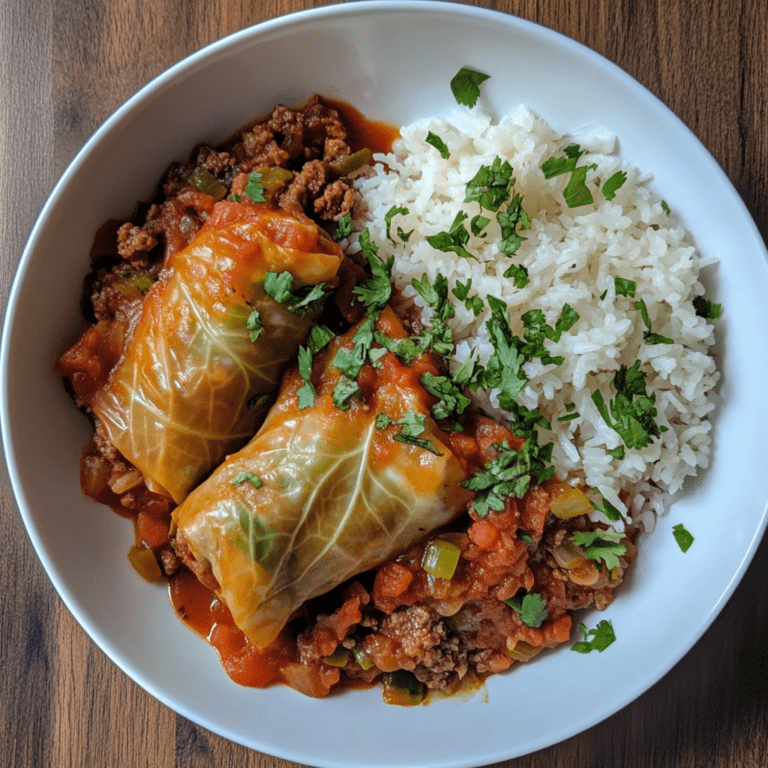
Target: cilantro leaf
[
  {"x": 683, "y": 537},
  {"x": 319, "y": 336},
  {"x": 413, "y": 425},
  {"x": 451, "y": 403},
  {"x": 531, "y": 607},
  {"x": 344, "y": 227},
  {"x": 279, "y": 285},
  {"x": 439, "y": 145},
  {"x": 665, "y": 207},
  {"x": 254, "y": 189},
  {"x": 706, "y": 308},
  {"x": 608, "y": 509},
  {"x": 598, "y": 546},
  {"x": 465, "y": 86},
  {"x": 376, "y": 290},
  {"x": 306, "y": 393},
  {"x": 345, "y": 389},
  {"x": 648, "y": 336},
  {"x": 491, "y": 185},
  {"x": 624, "y": 287},
  {"x": 575, "y": 192},
  {"x": 602, "y": 636},
  {"x": 632, "y": 412},
  {"x": 509, "y": 473},
  {"x": 613, "y": 184},
  {"x": 519, "y": 275},
  {"x": 474, "y": 303},
  {"x": 389, "y": 215},
  {"x": 454, "y": 239},
  {"x": 254, "y": 325}
]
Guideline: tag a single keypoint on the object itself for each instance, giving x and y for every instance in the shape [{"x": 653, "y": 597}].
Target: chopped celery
[{"x": 441, "y": 558}]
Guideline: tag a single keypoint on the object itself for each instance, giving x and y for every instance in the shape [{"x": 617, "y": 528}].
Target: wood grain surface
[{"x": 65, "y": 66}]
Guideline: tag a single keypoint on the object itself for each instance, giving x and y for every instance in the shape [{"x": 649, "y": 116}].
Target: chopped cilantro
[
  {"x": 319, "y": 336},
  {"x": 519, "y": 275},
  {"x": 569, "y": 416},
  {"x": 253, "y": 325},
  {"x": 279, "y": 285},
  {"x": 451, "y": 403},
  {"x": 439, "y": 145},
  {"x": 389, "y": 215},
  {"x": 624, "y": 287},
  {"x": 413, "y": 425},
  {"x": 406, "y": 349},
  {"x": 616, "y": 453},
  {"x": 608, "y": 509},
  {"x": 376, "y": 290},
  {"x": 491, "y": 185},
  {"x": 509, "y": 220},
  {"x": 665, "y": 207},
  {"x": 439, "y": 337},
  {"x": 254, "y": 189},
  {"x": 682, "y": 536},
  {"x": 601, "y": 637},
  {"x": 478, "y": 224},
  {"x": 598, "y": 546},
  {"x": 306, "y": 393},
  {"x": 474, "y": 303},
  {"x": 454, "y": 239},
  {"x": 258, "y": 400},
  {"x": 531, "y": 607},
  {"x": 344, "y": 228},
  {"x": 247, "y": 477},
  {"x": 706, "y": 308},
  {"x": 465, "y": 86},
  {"x": 633, "y": 411},
  {"x": 613, "y": 184},
  {"x": 508, "y": 474},
  {"x": 648, "y": 336},
  {"x": 345, "y": 389},
  {"x": 575, "y": 192}
]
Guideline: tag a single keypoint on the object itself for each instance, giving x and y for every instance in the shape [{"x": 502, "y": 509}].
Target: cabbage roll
[
  {"x": 210, "y": 341},
  {"x": 331, "y": 485}
]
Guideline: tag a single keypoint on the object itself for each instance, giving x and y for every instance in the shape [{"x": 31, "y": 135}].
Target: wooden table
[{"x": 65, "y": 65}]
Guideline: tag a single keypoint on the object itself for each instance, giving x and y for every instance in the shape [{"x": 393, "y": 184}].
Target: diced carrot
[
  {"x": 484, "y": 533},
  {"x": 152, "y": 530},
  {"x": 392, "y": 580}
]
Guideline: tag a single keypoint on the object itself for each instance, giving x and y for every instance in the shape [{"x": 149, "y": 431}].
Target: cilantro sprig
[
  {"x": 531, "y": 607},
  {"x": 601, "y": 546},
  {"x": 413, "y": 426},
  {"x": 597, "y": 639}
]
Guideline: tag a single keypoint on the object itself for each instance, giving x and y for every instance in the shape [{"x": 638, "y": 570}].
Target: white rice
[{"x": 572, "y": 257}]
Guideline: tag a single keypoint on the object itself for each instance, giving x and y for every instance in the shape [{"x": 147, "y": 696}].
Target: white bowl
[{"x": 393, "y": 61}]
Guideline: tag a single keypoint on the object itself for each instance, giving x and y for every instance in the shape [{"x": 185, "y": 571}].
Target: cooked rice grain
[{"x": 572, "y": 257}]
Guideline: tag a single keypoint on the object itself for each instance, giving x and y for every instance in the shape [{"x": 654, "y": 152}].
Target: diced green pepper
[
  {"x": 441, "y": 558},
  {"x": 144, "y": 563},
  {"x": 353, "y": 162},
  {"x": 402, "y": 688},
  {"x": 339, "y": 658},
  {"x": 202, "y": 179}
]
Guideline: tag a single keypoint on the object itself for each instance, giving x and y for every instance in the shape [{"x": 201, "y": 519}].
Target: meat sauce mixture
[{"x": 415, "y": 623}]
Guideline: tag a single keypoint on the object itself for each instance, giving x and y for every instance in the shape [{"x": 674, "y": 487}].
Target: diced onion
[
  {"x": 402, "y": 688},
  {"x": 568, "y": 502},
  {"x": 567, "y": 555}
]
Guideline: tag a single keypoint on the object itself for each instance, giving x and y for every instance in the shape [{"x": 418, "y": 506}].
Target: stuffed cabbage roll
[
  {"x": 344, "y": 473},
  {"x": 210, "y": 340}
]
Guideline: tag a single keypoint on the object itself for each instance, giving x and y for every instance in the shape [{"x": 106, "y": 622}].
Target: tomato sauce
[{"x": 245, "y": 663}]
